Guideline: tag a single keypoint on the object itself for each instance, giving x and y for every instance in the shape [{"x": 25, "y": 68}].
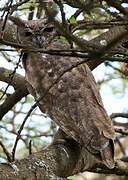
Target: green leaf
[
  {"x": 7, "y": 73},
  {"x": 71, "y": 178},
  {"x": 29, "y": 99},
  {"x": 72, "y": 20}
]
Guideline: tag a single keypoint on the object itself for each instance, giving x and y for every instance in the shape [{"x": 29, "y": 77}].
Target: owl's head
[{"x": 34, "y": 33}]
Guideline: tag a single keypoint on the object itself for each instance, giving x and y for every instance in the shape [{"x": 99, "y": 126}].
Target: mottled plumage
[{"x": 73, "y": 102}]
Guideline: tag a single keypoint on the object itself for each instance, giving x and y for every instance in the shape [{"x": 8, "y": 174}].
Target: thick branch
[
  {"x": 18, "y": 81},
  {"x": 67, "y": 158},
  {"x": 112, "y": 38},
  {"x": 12, "y": 100},
  {"x": 19, "y": 84}
]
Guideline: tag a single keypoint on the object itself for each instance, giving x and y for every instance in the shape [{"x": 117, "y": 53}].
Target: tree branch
[
  {"x": 67, "y": 158},
  {"x": 115, "y": 115},
  {"x": 111, "y": 38},
  {"x": 19, "y": 84}
]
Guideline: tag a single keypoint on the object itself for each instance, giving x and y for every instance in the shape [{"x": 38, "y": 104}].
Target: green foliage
[
  {"x": 73, "y": 21},
  {"x": 7, "y": 73},
  {"x": 63, "y": 39},
  {"x": 53, "y": 8},
  {"x": 29, "y": 100},
  {"x": 71, "y": 178}
]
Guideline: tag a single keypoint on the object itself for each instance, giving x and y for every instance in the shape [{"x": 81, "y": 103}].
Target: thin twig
[
  {"x": 121, "y": 131},
  {"x": 6, "y": 17},
  {"x": 115, "y": 115},
  {"x": 8, "y": 155},
  {"x": 30, "y": 147},
  {"x": 13, "y": 7},
  {"x": 121, "y": 146},
  {"x": 59, "y": 3}
]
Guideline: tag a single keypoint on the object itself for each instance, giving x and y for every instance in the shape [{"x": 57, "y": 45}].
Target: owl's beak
[{"x": 39, "y": 41}]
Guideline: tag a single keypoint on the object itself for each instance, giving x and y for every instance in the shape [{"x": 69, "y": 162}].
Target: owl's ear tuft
[{"x": 17, "y": 21}]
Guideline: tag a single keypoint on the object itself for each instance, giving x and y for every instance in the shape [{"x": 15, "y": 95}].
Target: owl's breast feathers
[{"x": 74, "y": 102}]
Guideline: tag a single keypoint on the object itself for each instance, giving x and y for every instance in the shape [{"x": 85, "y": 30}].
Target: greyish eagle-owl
[{"x": 72, "y": 99}]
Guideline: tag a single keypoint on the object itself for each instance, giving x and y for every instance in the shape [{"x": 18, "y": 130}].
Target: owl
[{"x": 70, "y": 94}]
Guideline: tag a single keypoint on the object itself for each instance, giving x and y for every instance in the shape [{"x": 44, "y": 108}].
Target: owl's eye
[
  {"x": 48, "y": 29},
  {"x": 27, "y": 33}
]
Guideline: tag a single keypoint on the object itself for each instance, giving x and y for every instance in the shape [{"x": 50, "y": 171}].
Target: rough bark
[
  {"x": 61, "y": 159},
  {"x": 57, "y": 162}
]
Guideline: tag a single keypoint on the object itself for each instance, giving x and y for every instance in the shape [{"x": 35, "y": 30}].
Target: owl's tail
[{"x": 107, "y": 155}]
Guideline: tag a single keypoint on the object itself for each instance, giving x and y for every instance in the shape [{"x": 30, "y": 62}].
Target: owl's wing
[
  {"x": 78, "y": 109},
  {"x": 74, "y": 102}
]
